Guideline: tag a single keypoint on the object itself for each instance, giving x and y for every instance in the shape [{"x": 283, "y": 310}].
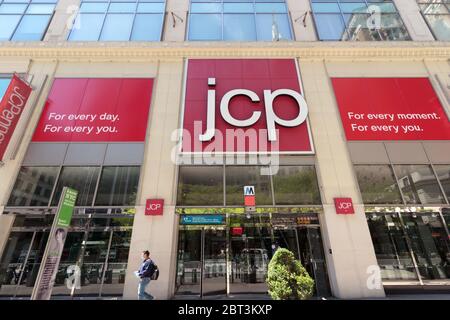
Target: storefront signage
[
  {"x": 249, "y": 196},
  {"x": 244, "y": 105},
  {"x": 96, "y": 110},
  {"x": 344, "y": 205},
  {"x": 154, "y": 207},
  {"x": 202, "y": 219},
  {"x": 11, "y": 108},
  {"x": 55, "y": 245},
  {"x": 390, "y": 109}
]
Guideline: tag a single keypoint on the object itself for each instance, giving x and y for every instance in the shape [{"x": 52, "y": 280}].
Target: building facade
[{"x": 335, "y": 113}]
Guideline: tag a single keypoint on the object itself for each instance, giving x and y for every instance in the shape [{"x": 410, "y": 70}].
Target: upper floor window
[
  {"x": 437, "y": 15},
  {"x": 239, "y": 20},
  {"x": 123, "y": 20},
  {"x": 358, "y": 20},
  {"x": 25, "y": 20},
  {"x": 4, "y": 83}
]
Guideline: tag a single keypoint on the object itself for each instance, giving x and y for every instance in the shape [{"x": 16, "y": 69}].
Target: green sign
[{"x": 66, "y": 209}]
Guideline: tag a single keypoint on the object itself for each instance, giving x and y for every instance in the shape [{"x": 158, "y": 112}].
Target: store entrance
[
  {"x": 233, "y": 258},
  {"x": 201, "y": 261}
]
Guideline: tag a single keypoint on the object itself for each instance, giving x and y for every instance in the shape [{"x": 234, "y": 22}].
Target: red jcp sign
[
  {"x": 11, "y": 108},
  {"x": 154, "y": 207},
  {"x": 344, "y": 205},
  {"x": 244, "y": 105}
]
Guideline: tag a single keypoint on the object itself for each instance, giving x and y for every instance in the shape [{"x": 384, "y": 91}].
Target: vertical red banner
[{"x": 11, "y": 108}]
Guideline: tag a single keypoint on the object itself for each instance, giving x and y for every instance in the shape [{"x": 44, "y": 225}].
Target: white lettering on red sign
[{"x": 271, "y": 118}]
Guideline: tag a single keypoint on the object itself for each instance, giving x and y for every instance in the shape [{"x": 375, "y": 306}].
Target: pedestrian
[{"x": 144, "y": 274}]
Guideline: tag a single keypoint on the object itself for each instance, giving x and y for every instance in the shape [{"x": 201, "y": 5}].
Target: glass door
[
  {"x": 316, "y": 265},
  {"x": 189, "y": 265},
  {"x": 214, "y": 261},
  {"x": 202, "y": 261}
]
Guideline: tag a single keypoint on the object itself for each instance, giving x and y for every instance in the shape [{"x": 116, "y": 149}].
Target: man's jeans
[{"x": 143, "y": 283}]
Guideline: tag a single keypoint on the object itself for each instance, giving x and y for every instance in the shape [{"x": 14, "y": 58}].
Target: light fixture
[
  {"x": 174, "y": 18},
  {"x": 303, "y": 17}
]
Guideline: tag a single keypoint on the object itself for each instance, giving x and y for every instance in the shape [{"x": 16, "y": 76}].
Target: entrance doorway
[
  {"x": 233, "y": 258},
  {"x": 202, "y": 260}
]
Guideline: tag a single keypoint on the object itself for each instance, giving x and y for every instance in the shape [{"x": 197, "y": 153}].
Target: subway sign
[{"x": 243, "y": 106}]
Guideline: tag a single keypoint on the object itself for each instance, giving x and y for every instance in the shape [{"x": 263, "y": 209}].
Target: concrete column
[
  {"x": 6, "y": 223},
  {"x": 65, "y": 14},
  {"x": 303, "y": 26},
  {"x": 158, "y": 233},
  {"x": 174, "y": 28},
  {"x": 413, "y": 20},
  {"x": 347, "y": 242}
]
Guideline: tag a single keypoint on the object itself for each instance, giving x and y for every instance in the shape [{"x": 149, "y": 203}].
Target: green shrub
[{"x": 287, "y": 279}]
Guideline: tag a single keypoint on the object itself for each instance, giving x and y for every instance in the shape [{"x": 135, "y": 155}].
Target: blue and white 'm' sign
[{"x": 249, "y": 190}]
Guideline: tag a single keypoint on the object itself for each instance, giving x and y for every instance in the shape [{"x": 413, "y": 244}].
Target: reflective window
[
  {"x": 430, "y": 244},
  {"x": 443, "y": 173},
  {"x": 118, "y": 186},
  {"x": 296, "y": 185},
  {"x": 437, "y": 15},
  {"x": 239, "y": 176},
  {"x": 418, "y": 184},
  {"x": 119, "y": 21},
  {"x": 391, "y": 247},
  {"x": 358, "y": 20},
  {"x": 33, "y": 186},
  {"x": 25, "y": 20},
  {"x": 377, "y": 184},
  {"x": 4, "y": 83},
  {"x": 253, "y": 20},
  {"x": 200, "y": 185},
  {"x": 82, "y": 179}
]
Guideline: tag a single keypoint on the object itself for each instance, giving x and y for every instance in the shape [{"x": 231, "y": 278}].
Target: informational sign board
[
  {"x": 344, "y": 205},
  {"x": 154, "y": 207},
  {"x": 389, "y": 109},
  {"x": 96, "y": 110},
  {"x": 55, "y": 245},
  {"x": 202, "y": 219}
]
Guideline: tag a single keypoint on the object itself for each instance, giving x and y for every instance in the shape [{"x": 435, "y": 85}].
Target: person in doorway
[{"x": 144, "y": 274}]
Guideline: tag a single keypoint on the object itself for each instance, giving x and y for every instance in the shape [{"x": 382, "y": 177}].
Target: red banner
[
  {"x": 96, "y": 110},
  {"x": 11, "y": 108},
  {"x": 244, "y": 105},
  {"x": 390, "y": 109}
]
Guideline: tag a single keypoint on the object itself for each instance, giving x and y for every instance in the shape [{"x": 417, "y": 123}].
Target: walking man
[{"x": 144, "y": 274}]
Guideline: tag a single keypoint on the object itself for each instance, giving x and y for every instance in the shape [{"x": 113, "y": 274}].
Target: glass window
[
  {"x": 358, "y": 20},
  {"x": 24, "y": 21},
  {"x": 239, "y": 27},
  {"x": 4, "y": 83},
  {"x": 430, "y": 244},
  {"x": 32, "y": 27},
  {"x": 437, "y": 15},
  {"x": 33, "y": 186},
  {"x": 117, "y": 27},
  {"x": 198, "y": 186},
  {"x": 239, "y": 176},
  {"x": 377, "y": 184},
  {"x": 147, "y": 27},
  {"x": 82, "y": 179},
  {"x": 391, "y": 247},
  {"x": 124, "y": 21},
  {"x": 118, "y": 186},
  {"x": 87, "y": 27},
  {"x": 443, "y": 173},
  {"x": 205, "y": 27},
  {"x": 418, "y": 184},
  {"x": 296, "y": 185},
  {"x": 239, "y": 20}
]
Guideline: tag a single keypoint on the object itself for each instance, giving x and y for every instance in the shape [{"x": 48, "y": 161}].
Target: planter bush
[{"x": 287, "y": 279}]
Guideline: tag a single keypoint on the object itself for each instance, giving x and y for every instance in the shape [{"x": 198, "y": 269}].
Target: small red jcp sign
[
  {"x": 344, "y": 205},
  {"x": 154, "y": 207}
]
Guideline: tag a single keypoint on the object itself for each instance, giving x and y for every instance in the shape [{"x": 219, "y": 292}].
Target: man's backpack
[{"x": 155, "y": 273}]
